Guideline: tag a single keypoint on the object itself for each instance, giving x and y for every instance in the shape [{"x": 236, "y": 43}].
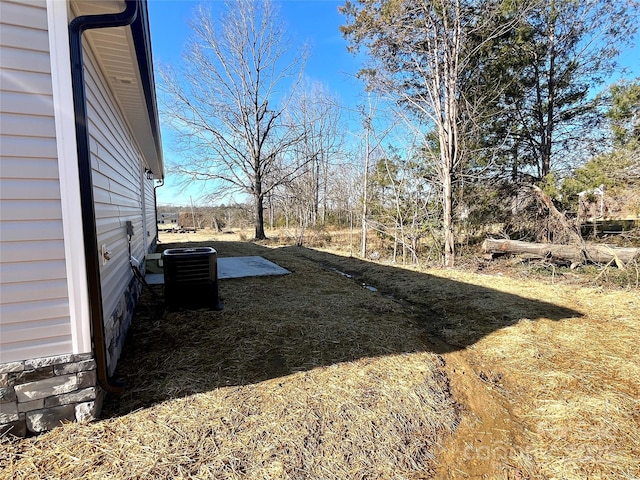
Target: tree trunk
[
  {"x": 316, "y": 191},
  {"x": 365, "y": 205},
  {"x": 271, "y": 212},
  {"x": 259, "y": 216},
  {"x": 551, "y": 94},
  {"x": 601, "y": 254},
  {"x": 449, "y": 237}
]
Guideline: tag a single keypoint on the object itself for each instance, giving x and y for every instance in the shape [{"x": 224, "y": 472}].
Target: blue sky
[{"x": 315, "y": 22}]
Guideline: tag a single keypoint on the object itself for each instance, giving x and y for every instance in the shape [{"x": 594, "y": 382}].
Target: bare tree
[
  {"x": 318, "y": 115},
  {"x": 373, "y": 134},
  {"x": 417, "y": 47},
  {"x": 367, "y": 153},
  {"x": 228, "y": 103},
  {"x": 343, "y": 193},
  {"x": 419, "y": 51}
]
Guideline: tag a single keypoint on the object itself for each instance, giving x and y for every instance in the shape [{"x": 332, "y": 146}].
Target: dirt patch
[{"x": 486, "y": 436}]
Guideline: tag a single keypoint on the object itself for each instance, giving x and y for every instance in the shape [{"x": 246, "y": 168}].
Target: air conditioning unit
[{"x": 191, "y": 278}]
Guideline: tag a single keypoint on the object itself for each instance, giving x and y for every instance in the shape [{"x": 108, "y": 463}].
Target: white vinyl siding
[
  {"x": 117, "y": 186},
  {"x": 34, "y": 305}
]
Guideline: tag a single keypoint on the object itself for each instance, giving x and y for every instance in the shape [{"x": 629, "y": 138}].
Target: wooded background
[{"x": 472, "y": 108}]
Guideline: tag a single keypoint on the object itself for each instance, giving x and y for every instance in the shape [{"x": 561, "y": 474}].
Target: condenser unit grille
[
  {"x": 191, "y": 278},
  {"x": 193, "y": 270}
]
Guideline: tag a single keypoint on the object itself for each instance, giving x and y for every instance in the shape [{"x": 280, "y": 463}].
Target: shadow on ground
[{"x": 318, "y": 315}]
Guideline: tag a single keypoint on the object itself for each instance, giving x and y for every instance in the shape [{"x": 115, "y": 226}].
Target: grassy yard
[{"x": 435, "y": 374}]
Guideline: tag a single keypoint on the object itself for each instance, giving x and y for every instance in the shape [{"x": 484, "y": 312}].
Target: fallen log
[{"x": 575, "y": 254}]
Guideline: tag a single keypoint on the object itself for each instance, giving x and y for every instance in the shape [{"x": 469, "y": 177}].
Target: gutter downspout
[
  {"x": 155, "y": 206},
  {"x": 76, "y": 28}
]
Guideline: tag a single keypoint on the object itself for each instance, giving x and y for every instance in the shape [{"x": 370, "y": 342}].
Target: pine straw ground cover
[
  {"x": 301, "y": 376},
  {"x": 564, "y": 359},
  {"x": 312, "y": 376}
]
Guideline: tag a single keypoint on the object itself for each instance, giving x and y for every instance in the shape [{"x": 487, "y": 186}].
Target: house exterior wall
[
  {"x": 34, "y": 300},
  {"x": 39, "y": 393},
  {"x": 47, "y": 373},
  {"x": 47, "y": 370},
  {"x": 119, "y": 195}
]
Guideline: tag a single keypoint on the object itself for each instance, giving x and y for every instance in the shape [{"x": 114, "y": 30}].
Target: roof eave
[{"x": 142, "y": 43}]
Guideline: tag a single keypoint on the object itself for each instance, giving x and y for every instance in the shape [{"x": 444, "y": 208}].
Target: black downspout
[
  {"x": 77, "y": 26},
  {"x": 155, "y": 206}
]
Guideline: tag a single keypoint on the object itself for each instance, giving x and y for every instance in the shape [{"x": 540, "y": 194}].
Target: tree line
[{"x": 467, "y": 103}]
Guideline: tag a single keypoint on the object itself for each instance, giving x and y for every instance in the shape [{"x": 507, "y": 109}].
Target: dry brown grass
[
  {"x": 302, "y": 376},
  {"x": 374, "y": 418},
  {"x": 312, "y": 376},
  {"x": 568, "y": 366},
  {"x": 576, "y": 384}
]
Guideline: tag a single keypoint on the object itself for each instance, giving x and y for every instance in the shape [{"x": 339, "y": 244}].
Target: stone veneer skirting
[
  {"x": 118, "y": 323},
  {"x": 39, "y": 394}
]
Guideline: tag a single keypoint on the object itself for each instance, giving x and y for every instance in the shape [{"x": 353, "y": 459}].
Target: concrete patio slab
[
  {"x": 238, "y": 267},
  {"x": 234, "y": 267}
]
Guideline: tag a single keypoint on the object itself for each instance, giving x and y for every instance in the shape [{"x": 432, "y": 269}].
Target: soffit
[{"x": 115, "y": 52}]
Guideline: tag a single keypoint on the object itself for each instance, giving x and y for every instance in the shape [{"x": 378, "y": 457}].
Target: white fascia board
[{"x": 58, "y": 25}]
